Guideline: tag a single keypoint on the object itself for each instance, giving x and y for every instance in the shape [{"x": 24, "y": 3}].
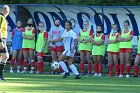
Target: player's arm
[
  {"x": 113, "y": 41},
  {"x": 90, "y": 36},
  {"x": 75, "y": 44},
  {"x": 2, "y": 26},
  {"x": 57, "y": 40},
  {"x": 45, "y": 41}
]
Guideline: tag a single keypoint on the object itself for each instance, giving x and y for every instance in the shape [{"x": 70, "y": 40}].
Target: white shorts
[{"x": 68, "y": 53}]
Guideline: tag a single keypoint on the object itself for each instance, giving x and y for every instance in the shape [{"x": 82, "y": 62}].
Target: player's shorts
[
  {"x": 26, "y": 49},
  {"x": 40, "y": 54},
  {"x": 57, "y": 48},
  {"x": 68, "y": 53},
  {"x": 125, "y": 50},
  {"x": 113, "y": 53},
  {"x": 4, "y": 50},
  {"x": 84, "y": 51}
]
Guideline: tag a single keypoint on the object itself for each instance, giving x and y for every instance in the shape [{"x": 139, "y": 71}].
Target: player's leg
[
  {"x": 14, "y": 55},
  {"x": 136, "y": 67},
  {"x": 40, "y": 67},
  {"x": 25, "y": 63},
  {"x": 115, "y": 59},
  {"x": 88, "y": 54},
  {"x": 54, "y": 57},
  {"x": 59, "y": 50},
  {"x": 31, "y": 54},
  {"x": 82, "y": 62},
  {"x": 122, "y": 60},
  {"x": 110, "y": 63},
  {"x": 5, "y": 57},
  {"x": 128, "y": 62},
  {"x": 73, "y": 68},
  {"x": 19, "y": 62},
  {"x": 95, "y": 65},
  {"x": 99, "y": 60},
  {"x": 63, "y": 65}
]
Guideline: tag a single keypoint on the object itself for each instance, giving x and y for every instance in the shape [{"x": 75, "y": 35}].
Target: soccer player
[
  {"x": 85, "y": 46},
  {"x": 113, "y": 50},
  {"x": 98, "y": 50},
  {"x": 74, "y": 26},
  {"x": 57, "y": 47},
  {"x": 16, "y": 46},
  {"x": 125, "y": 46},
  {"x": 28, "y": 45},
  {"x": 3, "y": 35},
  {"x": 137, "y": 59},
  {"x": 70, "y": 43},
  {"x": 41, "y": 47}
]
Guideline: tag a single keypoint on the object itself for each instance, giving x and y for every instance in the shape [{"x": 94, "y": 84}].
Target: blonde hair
[{"x": 6, "y": 7}]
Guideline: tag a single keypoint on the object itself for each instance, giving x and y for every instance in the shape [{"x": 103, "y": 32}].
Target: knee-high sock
[
  {"x": 19, "y": 62},
  {"x": 12, "y": 62},
  {"x": 128, "y": 70},
  {"x": 25, "y": 63},
  {"x": 32, "y": 64},
  {"x": 136, "y": 70},
  {"x": 110, "y": 68},
  {"x": 2, "y": 64},
  {"x": 89, "y": 67},
  {"x": 42, "y": 66},
  {"x": 95, "y": 67},
  {"x": 64, "y": 67},
  {"x": 121, "y": 69},
  {"x": 82, "y": 67},
  {"x": 74, "y": 69},
  {"x": 39, "y": 66},
  {"x": 100, "y": 68},
  {"x": 116, "y": 68}
]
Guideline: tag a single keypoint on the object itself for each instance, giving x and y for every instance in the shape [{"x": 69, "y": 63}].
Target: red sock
[
  {"x": 121, "y": 69},
  {"x": 42, "y": 66},
  {"x": 12, "y": 62},
  {"x": 96, "y": 68},
  {"x": 89, "y": 67},
  {"x": 33, "y": 64},
  {"x": 19, "y": 62},
  {"x": 110, "y": 68},
  {"x": 136, "y": 70},
  {"x": 38, "y": 66},
  {"x": 128, "y": 70},
  {"x": 116, "y": 68},
  {"x": 60, "y": 69},
  {"x": 82, "y": 67},
  {"x": 25, "y": 63},
  {"x": 100, "y": 68}
]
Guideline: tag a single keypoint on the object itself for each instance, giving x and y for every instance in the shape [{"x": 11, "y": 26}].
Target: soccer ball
[{"x": 55, "y": 65}]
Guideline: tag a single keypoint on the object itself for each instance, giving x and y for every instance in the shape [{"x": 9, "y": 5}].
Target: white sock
[
  {"x": 74, "y": 69},
  {"x": 64, "y": 67}
]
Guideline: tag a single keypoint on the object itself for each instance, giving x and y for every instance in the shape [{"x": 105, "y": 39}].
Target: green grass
[{"x": 35, "y": 83}]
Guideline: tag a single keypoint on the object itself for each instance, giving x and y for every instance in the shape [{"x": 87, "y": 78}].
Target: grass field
[{"x": 35, "y": 83}]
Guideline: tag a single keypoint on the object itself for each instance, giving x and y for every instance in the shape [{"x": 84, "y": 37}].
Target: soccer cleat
[
  {"x": 2, "y": 78},
  {"x": 100, "y": 74},
  {"x": 127, "y": 76},
  {"x": 95, "y": 74},
  {"x": 66, "y": 75},
  {"x": 18, "y": 71},
  {"x": 135, "y": 75},
  {"x": 78, "y": 77},
  {"x": 110, "y": 74},
  {"x": 31, "y": 72},
  {"x": 120, "y": 76},
  {"x": 11, "y": 71},
  {"x": 116, "y": 74},
  {"x": 24, "y": 71}
]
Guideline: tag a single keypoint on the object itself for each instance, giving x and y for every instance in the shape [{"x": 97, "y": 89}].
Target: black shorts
[{"x": 5, "y": 50}]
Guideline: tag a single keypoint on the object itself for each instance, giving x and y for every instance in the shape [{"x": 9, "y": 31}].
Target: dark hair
[
  {"x": 86, "y": 22},
  {"x": 56, "y": 19},
  {"x": 41, "y": 23},
  {"x": 18, "y": 21},
  {"x": 100, "y": 26},
  {"x": 72, "y": 19},
  {"x": 69, "y": 23},
  {"x": 126, "y": 21},
  {"x": 115, "y": 25}
]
